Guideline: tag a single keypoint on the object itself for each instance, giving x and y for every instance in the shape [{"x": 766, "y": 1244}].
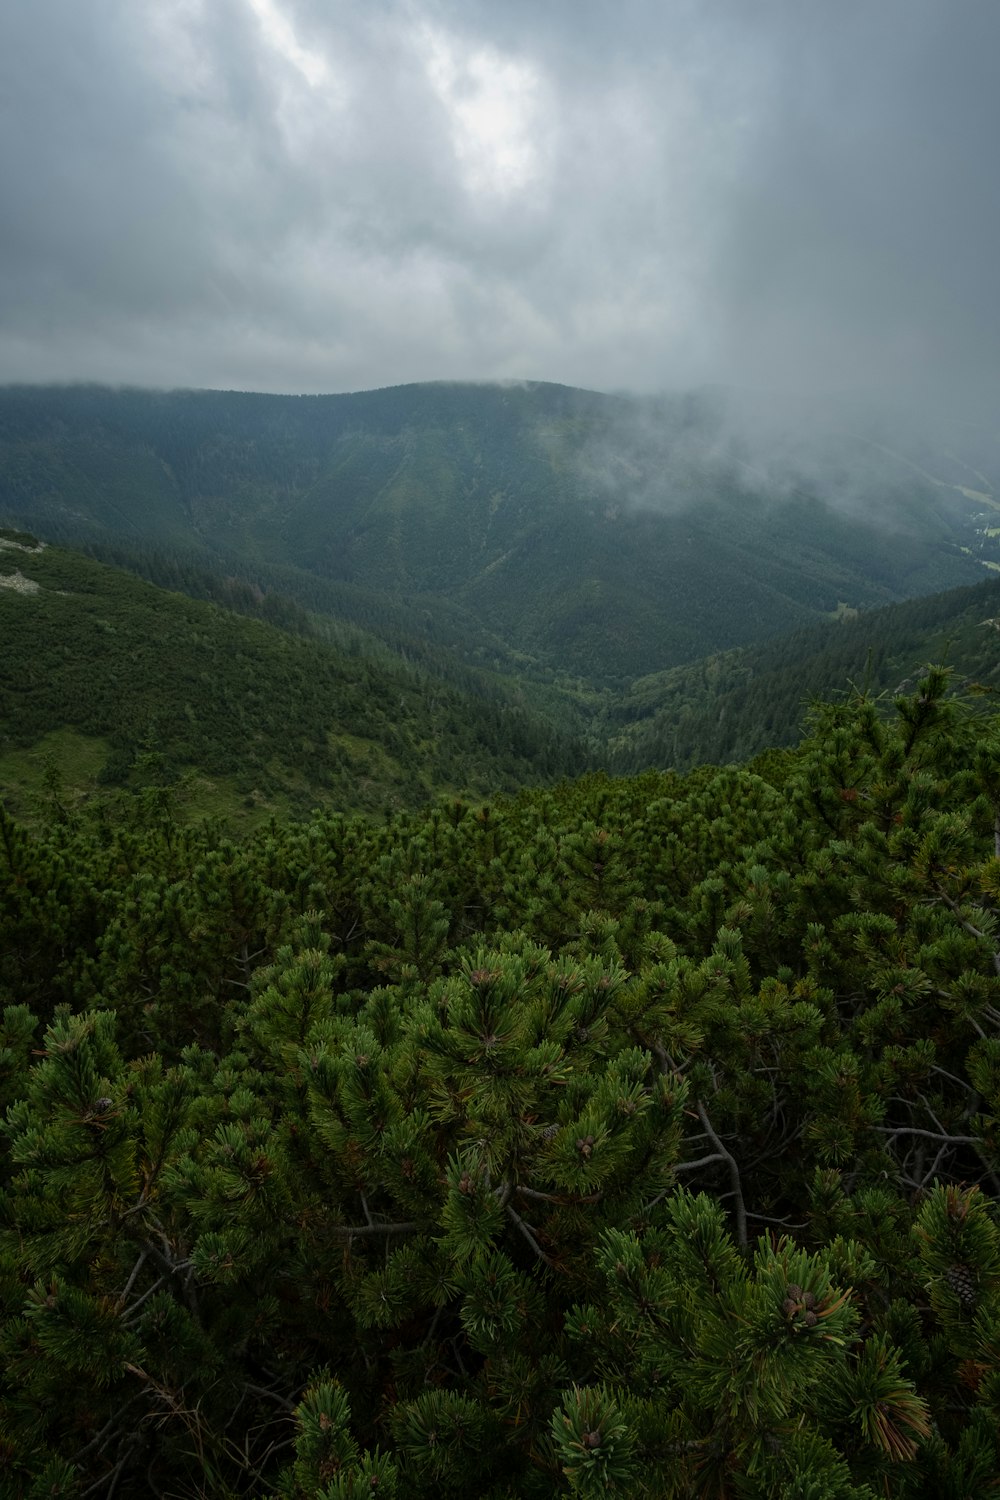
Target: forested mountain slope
[
  {"x": 159, "y": 684},
  {"x": 603, "y": 536},
  {"x": 730, "y": 706},
  {"x": 629, "y": 1138}
]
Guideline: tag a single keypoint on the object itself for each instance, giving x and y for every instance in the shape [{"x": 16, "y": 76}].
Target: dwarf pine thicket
[{"x": 632, "y": 1137}]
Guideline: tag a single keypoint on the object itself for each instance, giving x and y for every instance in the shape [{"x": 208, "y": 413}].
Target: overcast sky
[{"x": 329, "y": 195}]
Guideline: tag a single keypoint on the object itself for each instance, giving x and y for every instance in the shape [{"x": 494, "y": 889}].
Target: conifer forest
[{"x": 631, "y": 1136}]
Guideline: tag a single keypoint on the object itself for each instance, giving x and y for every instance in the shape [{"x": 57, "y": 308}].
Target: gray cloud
[{"x": 289, "y": 195}]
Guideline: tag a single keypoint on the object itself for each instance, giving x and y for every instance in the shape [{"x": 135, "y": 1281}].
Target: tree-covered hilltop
[
  {"x": 160, "y": 685},
  {"x": 629, "y": 1137},
  {"x": 602, "y": 536}
]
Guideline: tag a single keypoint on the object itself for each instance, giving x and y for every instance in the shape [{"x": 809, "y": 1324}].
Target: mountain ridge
[{"x": 600, "y": 536}]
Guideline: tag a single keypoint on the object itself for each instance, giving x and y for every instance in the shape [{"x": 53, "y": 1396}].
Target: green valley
[
  {"x": 246, "y": 704},
  {"x": 260, "y": 718}
]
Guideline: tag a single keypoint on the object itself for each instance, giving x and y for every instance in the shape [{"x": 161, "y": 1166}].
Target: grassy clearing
[
  {"x": 64, "y": 766},
  {"x": 199, "y": 797},
  {"x": 62, "y": 759}
]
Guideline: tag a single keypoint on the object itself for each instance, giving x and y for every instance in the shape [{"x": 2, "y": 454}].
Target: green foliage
[
  {"x": 328, "y": 1465},
  {"x": 176, "y": 686},
  {"x": 630, "y": 1137}
]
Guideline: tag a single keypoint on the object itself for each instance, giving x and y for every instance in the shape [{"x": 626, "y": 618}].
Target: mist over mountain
[
  {"x": 285, "y": 195},
  {"x": 601, "y": 535}
]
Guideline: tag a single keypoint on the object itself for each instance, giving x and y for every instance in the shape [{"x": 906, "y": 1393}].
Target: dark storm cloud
[
  {"x": 307, "y": 196},
  {"x": 863, "y": 244}
]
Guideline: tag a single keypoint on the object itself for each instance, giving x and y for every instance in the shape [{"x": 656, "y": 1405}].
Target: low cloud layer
[{"x": 291, "y": 195}]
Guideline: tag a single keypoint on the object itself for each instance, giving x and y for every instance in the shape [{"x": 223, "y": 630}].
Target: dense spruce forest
[
  {"x": 733, "y": 705},
  {"x": 628, "y": 1137}
]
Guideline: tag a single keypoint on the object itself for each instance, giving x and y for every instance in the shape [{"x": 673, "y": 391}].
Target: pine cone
[{"x": 962, "y": 1281}]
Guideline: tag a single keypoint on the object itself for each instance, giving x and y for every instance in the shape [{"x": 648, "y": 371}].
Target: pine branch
[{"x": 972, "y": 930}]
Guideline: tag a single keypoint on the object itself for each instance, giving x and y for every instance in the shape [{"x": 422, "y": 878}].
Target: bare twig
[
  {"x": 702, "y": 1161},
  {"x": 262, "y": 1390},
  {"x": 785, "y": 1223},
  {"x": 348, "y": 1231},
  {"x": 951, "y": 1076},
  {"x": 523, "y": 1227},
  {"x": 99, "y": 1441},
  {"x": 928, "y": 1135},
  {"x": 126, "y": 1322},
  {"x": 108, "y": 1483},
  {"x": 135, "y": 1271},
  {"x": 527, "y": 1192},
  {"x": 503, "y": 1192},
  {"x": 932, "y": 1169},
  {"x": 734, "y": 1175},
  {"x": 432, "y": 1330}
]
